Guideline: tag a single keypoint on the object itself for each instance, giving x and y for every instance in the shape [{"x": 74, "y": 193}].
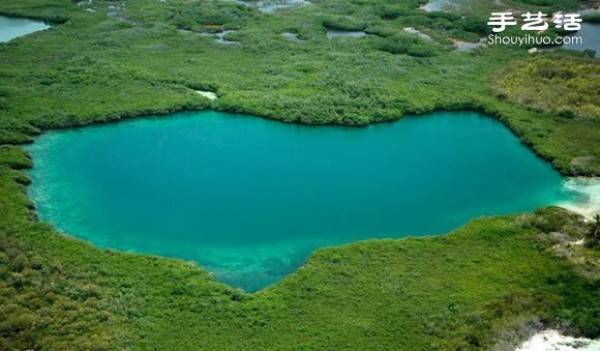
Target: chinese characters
[{"x": 535, "y": 21}]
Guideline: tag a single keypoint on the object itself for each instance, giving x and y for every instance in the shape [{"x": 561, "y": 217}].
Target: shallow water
[
  {"x": 586, "y": 192},
  {"x": 220, "y": 37},
  {"x": 335, "y": 33},
  {"x": 250, "y": 199},
  {"x": 11, "y": 28},
  {"x": 460, "y": 45},
  {"x": 270, "y": 6},
  {"x": 438, "y": 5},
  {"x": 590, "y": 33}
]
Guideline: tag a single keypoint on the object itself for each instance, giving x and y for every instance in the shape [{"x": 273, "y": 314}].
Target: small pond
[
  {"x": 439, "y": 5},
  {"x": 11, "y": 27},
  {"x": 336, "y": 33}
]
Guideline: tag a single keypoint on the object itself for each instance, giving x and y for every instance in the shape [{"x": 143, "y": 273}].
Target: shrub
[
  {"x": 555, "y": 71},
  {"x": 343, "y": 23},
  {"x": 592, "y": 18},
  {"x": 474, "y": 25},
  {"x": 593, "y": 234},
  {"x": 589, "y": 53}
]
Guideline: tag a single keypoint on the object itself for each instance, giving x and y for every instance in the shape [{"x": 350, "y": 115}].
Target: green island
[{"x": 486, "y": 286}]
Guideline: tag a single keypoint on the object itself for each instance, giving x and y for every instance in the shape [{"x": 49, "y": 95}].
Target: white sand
[
  {"x": 552, "y": 340},
  {"x": 588, "y": 196},
  {"x": 207, "y": 94}
]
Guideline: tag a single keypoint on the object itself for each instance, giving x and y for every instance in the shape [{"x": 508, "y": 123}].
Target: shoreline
[
  {"x": 553, "y": 340},
  {"x": 587, "y": 202},
  {"x": 210, "y": 104}
]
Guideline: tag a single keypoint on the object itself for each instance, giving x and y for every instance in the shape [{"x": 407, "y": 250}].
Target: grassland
[{"x": 474, "y": 289}]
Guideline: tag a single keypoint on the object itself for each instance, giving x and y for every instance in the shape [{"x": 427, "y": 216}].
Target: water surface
[
  {"x": 439, "y": 5},
  {"x": 336, "y": 33},
  {"x": 249, "y": 198},
  {"x": 11, "y": 28},
  {"x": 270, "y": 6},
  {"x": 590, "y": 34}
]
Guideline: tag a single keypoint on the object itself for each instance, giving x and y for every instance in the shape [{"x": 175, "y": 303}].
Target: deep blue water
[
  {"x": 11, "y": 28},
  {"x": 249, "y": 198}
]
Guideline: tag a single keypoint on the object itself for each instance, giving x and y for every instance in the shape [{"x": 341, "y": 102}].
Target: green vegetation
[
  {"x": 458, "y": 291},
  {"x": 593, "y": 234},
  {"x": 454, "y": 292},
  {"x": 565, "y": 88},
  {"x": 148, "y": 57},
  {"x": 592, "y": 18}
]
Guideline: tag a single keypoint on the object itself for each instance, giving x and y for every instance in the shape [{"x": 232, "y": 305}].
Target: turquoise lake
[
  {"x": 249, "y": 199},
  {"x": 11, "y": 28}
]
